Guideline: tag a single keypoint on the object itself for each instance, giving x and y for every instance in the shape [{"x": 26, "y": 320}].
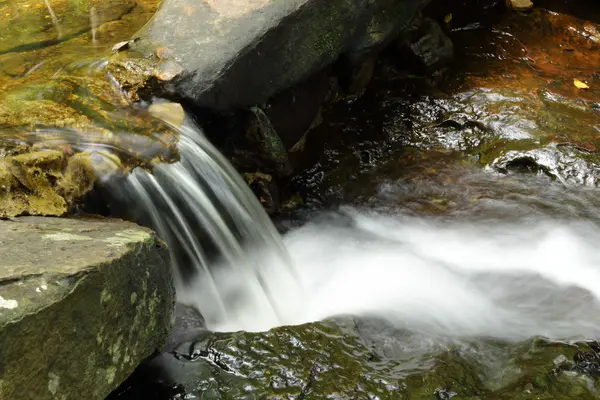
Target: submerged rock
[
  {"x": 39, "y": 38},
  {"x": 427, "y": 47},
  {"x": 227, "y": 55},
  {"x": 82, "y": 302},
  {"x": 29, "y": 25}
]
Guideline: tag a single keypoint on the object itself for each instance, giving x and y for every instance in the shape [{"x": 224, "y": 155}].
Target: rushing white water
[
  {"x": 212, "y": 223},
  {"x": 454, "y": 277},
  {"x": 202, "y": 208},
  {"x": 508, "y": 281}
]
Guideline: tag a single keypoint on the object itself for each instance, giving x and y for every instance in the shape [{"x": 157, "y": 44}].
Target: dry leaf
[
  {"x": 580, "y": 85},
  {"x": 189, "y": 10}
]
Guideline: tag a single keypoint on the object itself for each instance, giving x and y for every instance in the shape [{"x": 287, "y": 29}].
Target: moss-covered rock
[
  {"x": 51, "y": 132},
  {"x": 43, "y": 182},
  {"x": 82, "y": 302}
]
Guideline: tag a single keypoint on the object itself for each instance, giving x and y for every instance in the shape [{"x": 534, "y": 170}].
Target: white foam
[{"x": 510, "y": 281}]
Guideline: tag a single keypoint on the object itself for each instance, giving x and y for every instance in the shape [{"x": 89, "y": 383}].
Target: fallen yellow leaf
[
  {"x": 580, "y": 85},
  {"x": 189, "y": 10},
  {"x": 448, "y": 18}
]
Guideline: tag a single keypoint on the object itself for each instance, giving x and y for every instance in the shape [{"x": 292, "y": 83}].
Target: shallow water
[{"x": 447, "y": 243}]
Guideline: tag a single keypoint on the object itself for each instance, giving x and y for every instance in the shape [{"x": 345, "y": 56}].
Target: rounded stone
[{"x": 82, "y": 303}]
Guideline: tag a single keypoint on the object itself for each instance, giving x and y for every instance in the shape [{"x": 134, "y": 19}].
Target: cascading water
[
  {"x": 531, "y": 276},
  {"x": 214, "y": 226},
  {"x": 200, "y": 206},
  {"x": 490, "y": 276}
]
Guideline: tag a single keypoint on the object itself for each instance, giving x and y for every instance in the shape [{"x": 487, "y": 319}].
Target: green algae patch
[{"x": 43, "y": 182}]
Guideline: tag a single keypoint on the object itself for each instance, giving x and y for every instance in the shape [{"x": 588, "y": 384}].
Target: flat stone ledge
[{"x": 82, "y": 303}]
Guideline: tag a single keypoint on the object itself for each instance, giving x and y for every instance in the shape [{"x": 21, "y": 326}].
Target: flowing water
[
  {"x": 216, "y": 226},
  {"x": 502, "y": 269},
  {"x": 510, "y": 268},
  {"x": 508, "y": 280},
  {"x": 512, "y": 259},
  {"x": 433, "y": 266}
]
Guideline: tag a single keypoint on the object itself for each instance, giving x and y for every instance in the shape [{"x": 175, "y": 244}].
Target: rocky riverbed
[
  {"x": 503, "y": 134},
  {"x": 466, "y": 112}
]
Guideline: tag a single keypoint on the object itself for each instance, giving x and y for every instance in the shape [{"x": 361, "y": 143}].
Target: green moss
[{"x": 90, "y": 343}]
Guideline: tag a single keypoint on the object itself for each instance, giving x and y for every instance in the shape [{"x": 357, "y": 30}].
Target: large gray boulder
[
  {"x": 82, "y": 303},
  {"x": 227, "y": 54}
]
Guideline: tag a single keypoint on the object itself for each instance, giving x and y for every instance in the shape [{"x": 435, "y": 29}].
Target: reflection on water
[
  {"x": 37, "y": 38},
  {"x": 508, "y": 103}
]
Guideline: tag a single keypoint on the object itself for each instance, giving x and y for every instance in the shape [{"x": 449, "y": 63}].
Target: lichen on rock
[{"x": 79, "y": 308}]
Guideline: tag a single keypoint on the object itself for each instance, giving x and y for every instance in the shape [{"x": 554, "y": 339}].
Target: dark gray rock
[
  {"x": 82, "y": 303},
  {"x": 296, "y": 110},
  {"x": 253, "y": 144},
  {"x": 428, "y": 46},
  {"x": 239, "y": 53}
]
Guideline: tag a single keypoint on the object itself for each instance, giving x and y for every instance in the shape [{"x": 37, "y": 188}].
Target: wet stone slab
[{"x": 82, "y": 302}]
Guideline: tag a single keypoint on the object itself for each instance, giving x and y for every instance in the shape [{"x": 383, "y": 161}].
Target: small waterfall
[
  {"x": 489, "y": 275},
  {"x": 201, "y": 207},
  {"x": 213, "y": 224}
]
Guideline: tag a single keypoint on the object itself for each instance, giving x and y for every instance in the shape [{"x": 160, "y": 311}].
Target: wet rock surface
[
  {"x": 53, "y": 151},
  {"x": 225, "y": 55},
  {"x": 505, "y": 135},
  {"x": 82, "y": 302},
  {"x": 356, "y": 358},
  {"x": 60, "y": 113},
  {"x": 509, "y": 103},
  {"x": 428, "y": 46}
]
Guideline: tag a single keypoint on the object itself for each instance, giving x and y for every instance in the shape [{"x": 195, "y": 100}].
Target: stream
[
  {"x": 439, "y": 241},
  {"x": 445, "y": 240}
]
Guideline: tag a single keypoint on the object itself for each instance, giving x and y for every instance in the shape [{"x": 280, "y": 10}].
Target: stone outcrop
[
  {"x": 82, "y": 303},
  {"x": 224, "y": 55}
]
